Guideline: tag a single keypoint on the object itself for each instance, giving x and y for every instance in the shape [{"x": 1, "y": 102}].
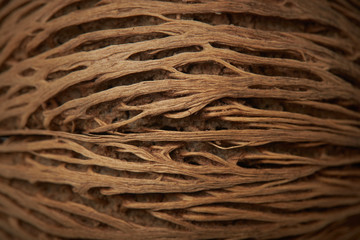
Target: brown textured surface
[{"x": 191, "y": 119}]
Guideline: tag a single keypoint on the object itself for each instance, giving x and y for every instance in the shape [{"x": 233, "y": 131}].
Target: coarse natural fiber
[{"x": 192, "y": 119}]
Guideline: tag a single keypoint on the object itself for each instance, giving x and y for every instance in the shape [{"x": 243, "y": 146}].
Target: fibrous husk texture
[{"x": 130, "y": 119}]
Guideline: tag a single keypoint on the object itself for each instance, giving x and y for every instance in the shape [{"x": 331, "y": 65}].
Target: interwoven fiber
[{"x": 192, "y": 119}]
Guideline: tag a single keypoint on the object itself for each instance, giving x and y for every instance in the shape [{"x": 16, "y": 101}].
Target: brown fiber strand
[{"x": 179, "y": 119}]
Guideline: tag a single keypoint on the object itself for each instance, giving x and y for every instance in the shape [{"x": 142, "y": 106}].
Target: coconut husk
[{"x": 193, "y": 119}]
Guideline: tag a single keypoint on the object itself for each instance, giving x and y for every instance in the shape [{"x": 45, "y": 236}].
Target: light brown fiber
[{"x": 179, "y": 119}]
